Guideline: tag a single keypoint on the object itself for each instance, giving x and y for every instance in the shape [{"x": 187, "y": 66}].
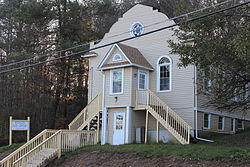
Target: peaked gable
[
  {"x": 116, "y": 56},
  {"x": 109, "y": 61},
  {"x": 129, "y": 56},
  {"x": 135, "y": 56}
]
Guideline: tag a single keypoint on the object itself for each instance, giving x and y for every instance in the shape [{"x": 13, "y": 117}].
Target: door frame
[
  {"x": 121, "y": 137},
  {"x": 146, "y": 81}
]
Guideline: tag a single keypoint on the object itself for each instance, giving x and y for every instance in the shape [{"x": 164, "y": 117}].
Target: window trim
[
  {"x": 223, "y": 123},
  {"x": 111, "y": 82},
  {"x": 120, "y": 57},
  {"x": 209, "y": 121},
  {"x": 147, "y": 79},
  {"x": 170, "y": 75}
]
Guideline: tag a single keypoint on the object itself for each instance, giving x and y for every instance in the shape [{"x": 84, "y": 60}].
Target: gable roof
[{"x": 133, "y": 55}]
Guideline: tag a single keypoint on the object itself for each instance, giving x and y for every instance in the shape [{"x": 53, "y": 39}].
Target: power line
[
  {"x": 88, "y": 43},
  {"x": 208, "y": 7},
  {"x": 126, "y": 39}
]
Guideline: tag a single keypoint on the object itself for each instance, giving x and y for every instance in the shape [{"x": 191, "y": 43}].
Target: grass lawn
[
  {"x": 241, "y": 139},
  {"x": 192, "y": 151},
  {"x": 225, "y": 148}
]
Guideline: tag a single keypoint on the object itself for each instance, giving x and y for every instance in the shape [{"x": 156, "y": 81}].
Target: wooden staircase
[
  {"x": 42, "y": 157},
  {"x": 48, "y": 145},
  {"x": 88, "y": 114},
  {"x": 180, "y": 129},
  {"x": 52, "y": 143}
]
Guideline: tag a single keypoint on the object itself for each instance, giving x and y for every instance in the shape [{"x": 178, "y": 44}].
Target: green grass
[
  {"x": 225, "y": 148},
  {"x": 241, "y": 139},
  {"x": 192, "y": 151},
  {"x": 13, "y": 146}
]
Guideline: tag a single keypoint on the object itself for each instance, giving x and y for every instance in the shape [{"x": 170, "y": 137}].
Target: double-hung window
[
  {"x": 221, "y": 123},
  {"x": 232, "y": 124},
  {"x": 240, "y": 124},
  {"x": 116, "y": 82},
  {"x": 142, "y": 80},
  {"x": 164, "y": 75},
  {"x": 206, "y": 121}
]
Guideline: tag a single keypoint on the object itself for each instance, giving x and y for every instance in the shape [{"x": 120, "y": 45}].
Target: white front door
[{"x": 119, "y": 128}]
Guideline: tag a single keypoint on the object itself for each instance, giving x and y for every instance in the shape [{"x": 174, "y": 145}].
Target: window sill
[
  {"x": 143, "y": 89},
  {"x": 163, "y": 91},
  {"x": 116, "y": 93}
]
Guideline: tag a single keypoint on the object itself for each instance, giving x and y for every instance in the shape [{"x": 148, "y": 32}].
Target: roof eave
[
  {"x": 89, "y": 55},
  {"x": 126, "y": 65}
]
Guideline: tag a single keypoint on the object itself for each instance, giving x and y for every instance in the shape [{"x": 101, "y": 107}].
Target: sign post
[{"x": 19, "y": 125}]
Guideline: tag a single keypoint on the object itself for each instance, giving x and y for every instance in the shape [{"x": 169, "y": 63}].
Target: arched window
[
  {"x": 117, "y": 57},
  {"x": 164, "y": 74}
]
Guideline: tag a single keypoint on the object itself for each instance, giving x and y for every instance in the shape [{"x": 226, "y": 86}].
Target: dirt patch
[{"x": 125, "y": 159}]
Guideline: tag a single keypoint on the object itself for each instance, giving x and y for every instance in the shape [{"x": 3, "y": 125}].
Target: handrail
[
  {"x": 62, "y": 141},
  {"x": 38, "y": 146},
  {"x": 55, "y": 141},
  {"x": 25, "y": 148},
  {"x": 93, "y": 106},
  {"x": 77, "y": 117},
  {"x": 170, "y": 119},
  {"x": 169, "y": 109},
  {"x": 73, "y": 139}
]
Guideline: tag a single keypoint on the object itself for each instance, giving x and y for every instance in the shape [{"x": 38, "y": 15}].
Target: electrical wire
[
  {"x": 88, "y": 43},
  {"x": 126, "y": 39}
]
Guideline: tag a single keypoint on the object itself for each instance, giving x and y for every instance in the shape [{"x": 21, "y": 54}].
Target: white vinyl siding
[
  {"x": 116, "y": 81},
  {"x": 153, "y": 46}
]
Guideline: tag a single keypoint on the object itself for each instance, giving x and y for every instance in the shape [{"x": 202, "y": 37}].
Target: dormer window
[{"x": 117, "y": 57}]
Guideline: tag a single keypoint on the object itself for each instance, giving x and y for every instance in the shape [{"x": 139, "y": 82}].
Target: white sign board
[{"x": 20, "y": 125}]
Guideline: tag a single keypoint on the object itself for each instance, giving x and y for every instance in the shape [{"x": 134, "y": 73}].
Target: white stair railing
[
  {"x": 87, "y": 114},
  {"x": 73, "y": 139},
  {"x": 163, "y": 113},
  {"x": 48, "y": 145},
  {"x": 52, "y": 143},
  {"x": 8, "y": 161}
]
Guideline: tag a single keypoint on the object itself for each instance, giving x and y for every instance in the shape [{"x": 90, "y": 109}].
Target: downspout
[
  {"x": 104, "y": 111},
  {"x": 196, "y": 108}
]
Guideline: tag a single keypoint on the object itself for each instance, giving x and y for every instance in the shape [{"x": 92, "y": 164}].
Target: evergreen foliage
[{"x": 219, "y": 47}]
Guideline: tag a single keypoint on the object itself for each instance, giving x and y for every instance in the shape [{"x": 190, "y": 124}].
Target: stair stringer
[{"x": 88, "y": 120}]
